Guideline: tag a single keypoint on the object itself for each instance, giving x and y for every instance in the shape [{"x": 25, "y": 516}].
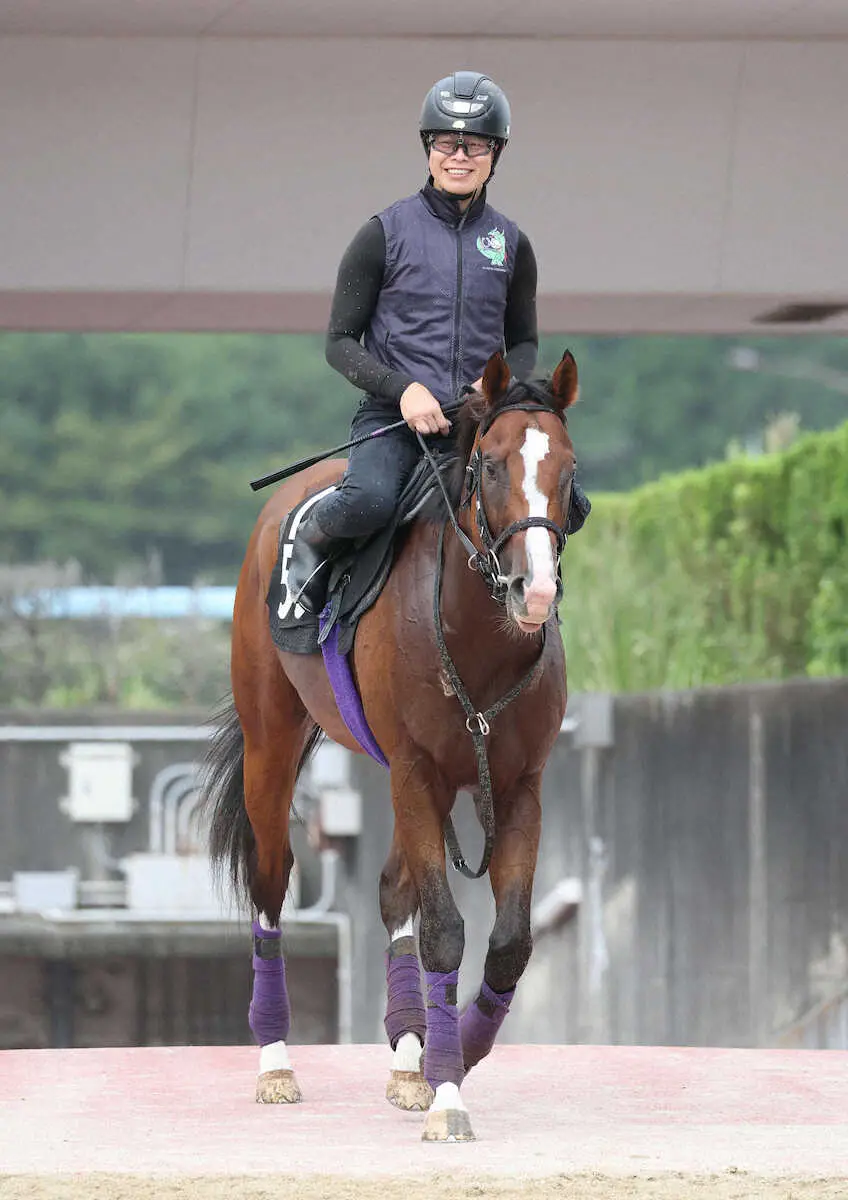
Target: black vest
[{"x": 440, "y": 313}]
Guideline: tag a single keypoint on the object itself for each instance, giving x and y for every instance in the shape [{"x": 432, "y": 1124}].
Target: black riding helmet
[{"x": 466, "y": 102}]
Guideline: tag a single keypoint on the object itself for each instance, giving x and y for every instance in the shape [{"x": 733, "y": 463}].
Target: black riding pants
[{"x": 377, "y": 470}]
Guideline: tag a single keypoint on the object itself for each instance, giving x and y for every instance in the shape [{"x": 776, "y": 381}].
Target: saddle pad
[
  {"x": 356, "y": 576},
  {"x": 356, "y": 579}
]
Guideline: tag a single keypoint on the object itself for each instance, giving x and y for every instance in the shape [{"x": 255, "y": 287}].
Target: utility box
[
  {"x": 341, "y": 812},
  {"x": 183, "y": 885},
  {"x": 99, "y": 781},
  {"x": 173, "y": 883},
  {"x": 330, "y": 767}
]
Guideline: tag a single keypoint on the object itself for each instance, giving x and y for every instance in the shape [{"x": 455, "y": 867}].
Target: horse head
[{"x": 521, "y": 468}]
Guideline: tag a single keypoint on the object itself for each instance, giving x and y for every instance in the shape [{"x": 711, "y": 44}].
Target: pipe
[
  {"x": 160, "y": 786},
  {"x": 329, "y": 881},
  {"x": 319, "y": 914}
]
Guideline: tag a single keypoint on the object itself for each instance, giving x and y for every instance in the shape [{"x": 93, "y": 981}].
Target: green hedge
[{"x": 735, "y": 572}]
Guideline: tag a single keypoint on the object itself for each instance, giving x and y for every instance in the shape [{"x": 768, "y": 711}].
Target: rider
[{"x": 435, "y": 284}]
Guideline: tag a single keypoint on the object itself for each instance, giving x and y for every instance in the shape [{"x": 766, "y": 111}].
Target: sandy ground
[{"x": 733, "y": 1185}]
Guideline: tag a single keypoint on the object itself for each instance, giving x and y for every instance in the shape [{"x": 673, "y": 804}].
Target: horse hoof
[
  {"x": 277, "y": 1087},
  {"x": 409, "y": 1090},
  {"x": 447, "y": 1125}
]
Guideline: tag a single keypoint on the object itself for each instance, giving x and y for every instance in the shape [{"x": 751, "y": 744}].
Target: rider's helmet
[{"x": 466, "y": 102}]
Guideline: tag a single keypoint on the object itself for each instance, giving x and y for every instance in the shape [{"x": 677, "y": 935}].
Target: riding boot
[
  {"x": 579, "y": 509},
  {"x": 308, "y": 569}
]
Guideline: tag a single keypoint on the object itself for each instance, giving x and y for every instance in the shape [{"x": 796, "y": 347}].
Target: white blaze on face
[{"x": 540, "y": 588}]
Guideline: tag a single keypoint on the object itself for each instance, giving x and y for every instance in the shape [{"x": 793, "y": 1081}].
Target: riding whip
[{"x": 285, "y": 472}]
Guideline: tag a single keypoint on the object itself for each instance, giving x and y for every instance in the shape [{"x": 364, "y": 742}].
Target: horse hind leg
[
  {"x": 277, "y": 743},
  {"x": 241, "y": 829},
  {"x": 406, "y": 1020},
  {"x": 270, "y": 1017}
]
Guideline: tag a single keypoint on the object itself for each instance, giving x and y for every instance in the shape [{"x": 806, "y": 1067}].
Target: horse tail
[
  {"x": 231, "y": 841},
  {"x": 232, "y": 846}
]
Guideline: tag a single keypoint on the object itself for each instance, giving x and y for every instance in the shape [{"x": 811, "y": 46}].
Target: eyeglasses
[{"x": 449, "y": 143}]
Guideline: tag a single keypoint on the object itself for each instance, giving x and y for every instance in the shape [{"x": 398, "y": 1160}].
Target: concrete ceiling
[{"x": 639, "y": 19}]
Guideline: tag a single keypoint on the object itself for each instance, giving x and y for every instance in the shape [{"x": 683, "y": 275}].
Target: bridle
[{"x": 486, "y": 562}]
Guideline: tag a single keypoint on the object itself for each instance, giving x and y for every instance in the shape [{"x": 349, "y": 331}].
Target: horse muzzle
[{"x": 530, "y": 604}]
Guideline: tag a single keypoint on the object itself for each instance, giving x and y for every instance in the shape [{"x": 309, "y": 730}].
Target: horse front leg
[
  {"x": 421, "y": 805},
  {"x": 511, "y": 874},
  {"x": 406, "y": 1021}
]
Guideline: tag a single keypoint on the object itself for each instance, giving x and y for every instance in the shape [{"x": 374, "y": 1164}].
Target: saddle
[{"x": 357, "y": 574}]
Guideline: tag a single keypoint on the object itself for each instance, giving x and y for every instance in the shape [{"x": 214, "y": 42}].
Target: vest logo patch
[{"x": 493, "y": 246}]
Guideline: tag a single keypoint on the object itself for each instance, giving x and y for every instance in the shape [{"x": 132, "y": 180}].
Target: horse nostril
[
  {"x": 539, "y": 594},
  {"x": 516, "y": 589}
]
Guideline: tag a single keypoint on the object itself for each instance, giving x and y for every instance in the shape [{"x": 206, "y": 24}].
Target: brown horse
[{"x": 417, "y": 666}]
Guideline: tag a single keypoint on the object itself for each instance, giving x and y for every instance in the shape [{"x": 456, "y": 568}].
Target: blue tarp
[{"x": 97, "y": 602}]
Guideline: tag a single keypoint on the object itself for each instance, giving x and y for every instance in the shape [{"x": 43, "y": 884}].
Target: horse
[{"x": 437, "y": 635}]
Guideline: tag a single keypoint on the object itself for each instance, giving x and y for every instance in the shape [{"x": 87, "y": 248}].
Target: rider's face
[{"x": 457, "y": 173}]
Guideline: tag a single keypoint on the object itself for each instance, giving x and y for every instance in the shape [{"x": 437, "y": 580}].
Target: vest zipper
[{"x": 457, "y": 314}]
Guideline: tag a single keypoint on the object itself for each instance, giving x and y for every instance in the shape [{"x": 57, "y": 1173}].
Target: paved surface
[{"x": 536, "y": 1110}]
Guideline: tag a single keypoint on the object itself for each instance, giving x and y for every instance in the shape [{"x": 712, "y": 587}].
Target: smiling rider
[{"x": 426, "y": 292}]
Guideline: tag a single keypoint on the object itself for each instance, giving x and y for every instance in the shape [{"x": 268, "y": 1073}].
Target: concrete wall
[
  {"x": 724, "y": 813},
  {"x": 707, "y": 831},
  {"x": 710, "y": 841},
  {"x": 103, "y": 975},
  {"x": 183, "y": 183}
]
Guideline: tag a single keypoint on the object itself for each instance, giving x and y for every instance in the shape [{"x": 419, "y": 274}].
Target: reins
[
  {"x": 478, "y": 725},
  {"x": 486, "y": 563}
]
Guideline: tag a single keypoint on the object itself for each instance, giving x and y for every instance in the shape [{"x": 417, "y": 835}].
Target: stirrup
[{"x": 302, "y": 593}]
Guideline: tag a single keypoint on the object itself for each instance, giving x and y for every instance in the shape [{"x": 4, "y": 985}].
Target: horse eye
[{"x": 490, "y": 469}]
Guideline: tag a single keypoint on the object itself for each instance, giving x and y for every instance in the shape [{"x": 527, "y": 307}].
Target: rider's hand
[{"x": 422, "y": 411}]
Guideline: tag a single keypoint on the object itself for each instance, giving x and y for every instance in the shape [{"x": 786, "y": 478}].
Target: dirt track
[{"x": 729, "y": 1186}]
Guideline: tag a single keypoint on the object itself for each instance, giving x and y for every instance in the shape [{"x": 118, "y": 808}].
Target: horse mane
[{"x": 467, "y": 422}]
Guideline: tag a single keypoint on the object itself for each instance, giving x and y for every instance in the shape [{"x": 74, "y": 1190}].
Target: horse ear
[
  {"x": 496, "y": 377},
  {"x": 564, "y": 386}
]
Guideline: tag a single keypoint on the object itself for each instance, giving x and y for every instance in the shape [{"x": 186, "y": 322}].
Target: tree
[{"x": 123, "y": 450}]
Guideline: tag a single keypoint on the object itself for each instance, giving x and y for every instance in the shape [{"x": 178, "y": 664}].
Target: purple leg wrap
[
  {"x": 443, "y": 1047},
  {"x": 480, "y": 1023},
  {"x": 404, "y": 1005},
  {"x": 269, "y": 1008}
]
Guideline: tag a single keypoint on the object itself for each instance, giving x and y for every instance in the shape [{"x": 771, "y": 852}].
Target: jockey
[{"x": 426, "y": 292}]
